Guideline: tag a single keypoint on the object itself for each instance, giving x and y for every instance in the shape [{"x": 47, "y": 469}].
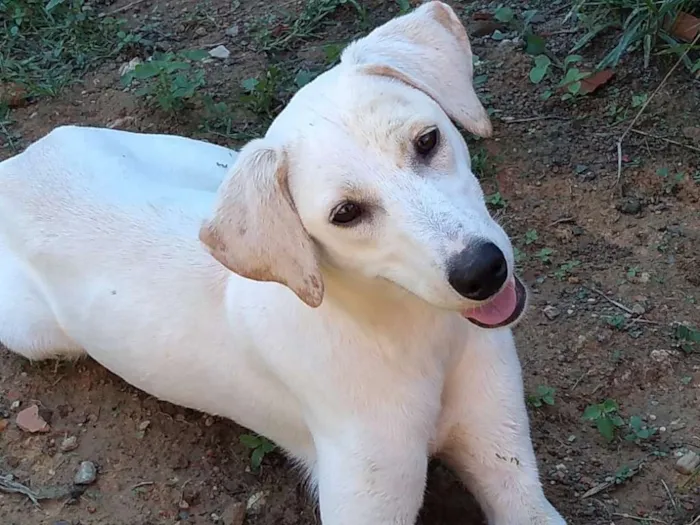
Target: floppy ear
[
  {"x": 256, "y": 231},
  {"x": 428, "y": 49}
]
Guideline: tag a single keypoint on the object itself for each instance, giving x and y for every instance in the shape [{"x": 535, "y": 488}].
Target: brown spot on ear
[{"x": 446, "y": 17}]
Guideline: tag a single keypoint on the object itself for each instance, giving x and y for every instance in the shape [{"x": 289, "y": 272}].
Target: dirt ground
[{"x": 613, "y": 269}]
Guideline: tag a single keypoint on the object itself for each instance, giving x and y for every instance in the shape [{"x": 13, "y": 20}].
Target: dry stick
[
  {"x": 611, "y": 301},
  {"x": 638, "y": 518},
  {"x": 122, "y": 8},
  {"x": 696, "y": 520},
  {"x": 510, "y": 120},
  {"x": 670, "y": 496},
  {"x": 670, "y": 141},
  {"x": 644, "y": 106}
]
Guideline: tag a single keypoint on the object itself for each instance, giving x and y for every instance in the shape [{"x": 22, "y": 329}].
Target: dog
[{"x": 338, "y": 285}]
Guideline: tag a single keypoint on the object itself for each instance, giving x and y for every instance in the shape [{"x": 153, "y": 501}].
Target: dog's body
[{"x": 376, "y": 372}]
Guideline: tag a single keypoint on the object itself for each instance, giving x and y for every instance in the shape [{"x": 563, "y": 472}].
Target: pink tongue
[{"x": 498, "y": 309}]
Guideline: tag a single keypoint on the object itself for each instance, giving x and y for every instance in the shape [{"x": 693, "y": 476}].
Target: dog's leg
[
  {"x": 484, "y": 433},
  {"x": 367, "y": 477},
  {"x": 27, "y": 324}
]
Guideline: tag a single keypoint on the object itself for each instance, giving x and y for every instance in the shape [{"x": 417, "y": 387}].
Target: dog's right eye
[{"x": 346, "y": 213}]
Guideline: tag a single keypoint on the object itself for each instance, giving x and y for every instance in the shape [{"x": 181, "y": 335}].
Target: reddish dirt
[{"x": 632, "y": 245}]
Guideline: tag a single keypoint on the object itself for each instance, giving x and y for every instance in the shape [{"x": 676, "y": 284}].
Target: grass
[
  {"x": 49, "y": 45},
  {"x": 644, "y": 26}
]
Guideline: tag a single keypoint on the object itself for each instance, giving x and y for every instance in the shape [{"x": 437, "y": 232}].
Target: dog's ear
[
  {"x": 428, "y": 49},
  {"x": 256, "y": 231}
]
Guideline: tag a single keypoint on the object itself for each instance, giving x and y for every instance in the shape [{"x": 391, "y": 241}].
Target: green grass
[
  {"x": 643, "y": 24},
  {"x": 49, "y": 45}
]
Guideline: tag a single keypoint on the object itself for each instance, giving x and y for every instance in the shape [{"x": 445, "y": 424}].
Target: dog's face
[{"x": 364, "y": 171}]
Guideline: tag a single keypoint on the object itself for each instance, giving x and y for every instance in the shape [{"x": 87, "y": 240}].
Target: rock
[
  {"x": 693, "y": 133},
  {"x": 688, "y": 463},
  {"x": 660, "y": 356},
  {"x": 220, "y": 52},
  {"x": 232, "y": 31},
  {"x": 87, "y": 473},
  {"x": 630, "y": 206},
  {"x": 69, "y": 443},
  {"x": 256, "y": 502},
  {"x": 15, "y": 404},
  {"x": 29, "y": 420},
  {"x": 551, "y": 312},
  {"x": 144, "y": 424},
  {"x": 234, "y": 514},
  {"x": 129, "y": 66},
  {"x": 638, "y": 309}
]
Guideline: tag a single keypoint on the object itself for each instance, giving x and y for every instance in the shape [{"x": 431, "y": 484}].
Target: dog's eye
[
  {"x": 346, "y": 213},
  {"x": 426, "y": 143}
]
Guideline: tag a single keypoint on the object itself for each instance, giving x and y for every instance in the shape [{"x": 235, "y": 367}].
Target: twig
[
  {"x": 122, "y": 8},
  {"x": 644, "y": 106},
  {"x": 696, "y": 520},
  {"x": 143, "y": 484},
  {"x": 611, "y": 301},
  {"x": 511, "y": 120},
  {"x": 670, "y": 141},
  {"x": 563, "y": 220},
  {"x": 7, "y": 484},
  {"x": 670, "y": 496},
  {"x": 638, "y": 518}
]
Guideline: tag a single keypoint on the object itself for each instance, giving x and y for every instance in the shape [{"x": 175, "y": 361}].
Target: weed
[
  {"x": 168, "y": 80},
  {"x": 606, "y": 418},
  {"x": 482, "y": 164},
  {"x": 643, "y": 24},
  {"x": 274, "y": 34},
  {"x": 686, "y": 337},
  {"x": 260, "y": 447},
  {"x": 671, "y": 181},
  {"x": 496, "y": 200},
  {"x": 531, "y": 236},
  {"x": 404, "y": 6},
  {"x": 48, "y": 45},
  {"x": 9, "y": 137},
  {"x": 566, "y": 269},
  {"x": 638, "y": 431},
  {"x": 616, "y": 321},
  {"x": 544, "y": 395},
  {"x": 262, "y": 94},
  {"x": 545, "y": 255},
  {"x": 632, "y": 273},
  {"x": 221, "y": 120}
]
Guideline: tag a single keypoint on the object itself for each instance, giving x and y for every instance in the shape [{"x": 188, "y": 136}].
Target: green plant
[
  {"x": 671, "y": 181},
  {"x": 686, "y": 337},
  {"x": 566, "y": 269},
  {"x": 531, "y": 236},
  {"x": 496, "y": 200},
  {"x": 644, "y": 24},
  {"x": 606, "y": 418},
  {"x": 47, "y": 45},
  {"x": 545, "y": 255},
  {"x": 168, "y": 80},
  {"x": 260, "y": 447},
  {"x": 9, "y": 137},
  {"x": 638, "y": 431},
  {"x": 404, "y": 6},
  {"x": 482, "y": 164},
  {"x": 571, "y": 82},
  {"x": 616, "y": 321},
  {"x": 544, "y": 395},
  {"x": 262, "y": 94}
]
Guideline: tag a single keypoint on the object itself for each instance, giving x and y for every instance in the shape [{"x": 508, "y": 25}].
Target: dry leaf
[
  {"x": 685, "y": 27},
  {"x": 593, "y": 82}
]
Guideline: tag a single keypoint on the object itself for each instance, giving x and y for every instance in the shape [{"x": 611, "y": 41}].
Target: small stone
[
  {"x": 209, "y": 421},
  {"x": 551, "y": 312},
  {"x": 638, "y": 309},
  {"x": 652, "y": 417},
  {"x": 15, "y": 404},
  {"x": 232, "y": 31},
  {"x": 660, "y": 356},
  {"x": 144, "y": 424},
  {"x": 129, "y": 66},
  {"x": 220, "y": 52},
  {"x": 182, "y": 504},
  {"x": 256, "y": 502},
  {"x": 87, "y": 473},
  {"x": 29, "y": 420},
  {"x": 234, "y": 514},
  {"x": 69, "y": 443}
]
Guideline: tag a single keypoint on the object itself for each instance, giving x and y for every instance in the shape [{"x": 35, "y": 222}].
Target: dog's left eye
[
  {"x": 426, "y": 142},
  {"x": 346, "y": 213}
]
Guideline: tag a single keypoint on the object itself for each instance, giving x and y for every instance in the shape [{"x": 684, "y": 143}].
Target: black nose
[{"x": 478, "y": 272}]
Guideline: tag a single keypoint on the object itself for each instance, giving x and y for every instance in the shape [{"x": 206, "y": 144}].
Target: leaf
[
  {"x": 591, "y": 83},
  {"x": 249, "y": 440},
  {"x": 537, "y": 73},
  {"x": 606, "y": 428},
  {"x": 303, "y": 77},
  {"x": 256, "y": 458},
  {"x": 144, "y": 71},
  {"x": 52, "y": 5},
  {"x": 572, "y": 59},
  {"x": 504, "y": 14},
  {"x": 250, "y": 84},
  {"x": 592, "y": 412},
  {"x": 194, "y": 54},
  {"x": 535, "y": 44},
  {"x": 609, "y": 406},
  {"x": 268, "y": 446},
  {"x": 636, "y": 423},
  {"x": 498, "y": 35}
]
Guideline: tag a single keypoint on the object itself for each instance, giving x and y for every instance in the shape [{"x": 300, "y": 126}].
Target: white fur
[{"x": 99, "y": 253}]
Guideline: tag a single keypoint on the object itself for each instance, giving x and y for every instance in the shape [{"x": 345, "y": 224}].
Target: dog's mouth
[{"x": 502, "y": 309}]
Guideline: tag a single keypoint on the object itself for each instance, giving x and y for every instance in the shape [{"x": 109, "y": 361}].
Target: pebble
[
  {"x": 256, "y": 502},
  {"x": 638, "y": 309},
  {"x": 87, "y": 473},
  {"x": 688, "y": 463},
  {"x": 69, "y": 443},
  {"x": 220, "y": 52},
  {"x": 232, "y": 31},
  {"x": 234, "y": 514},
  {"x": 15, "y": 405},
  {"x": 144, "y": 424},
  {"x": 551, "y": 312},
  {"x": 30, "y": 420}
]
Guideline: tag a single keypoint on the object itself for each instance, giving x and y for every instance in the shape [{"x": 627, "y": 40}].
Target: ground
[{"x": 611, "y": 259}]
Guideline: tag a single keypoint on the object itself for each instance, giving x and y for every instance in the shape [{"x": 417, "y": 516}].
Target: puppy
[{"x": 343, "y": 292}]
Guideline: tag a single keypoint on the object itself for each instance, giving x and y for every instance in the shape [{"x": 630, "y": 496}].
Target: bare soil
[{"x": 618, "y": 248}]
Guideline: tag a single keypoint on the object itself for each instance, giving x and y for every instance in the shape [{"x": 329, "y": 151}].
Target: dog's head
[{"x": 364, "y": 172}]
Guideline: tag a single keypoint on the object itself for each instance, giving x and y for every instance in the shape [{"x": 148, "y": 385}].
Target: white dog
[{"x": 354, "y": 296}]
